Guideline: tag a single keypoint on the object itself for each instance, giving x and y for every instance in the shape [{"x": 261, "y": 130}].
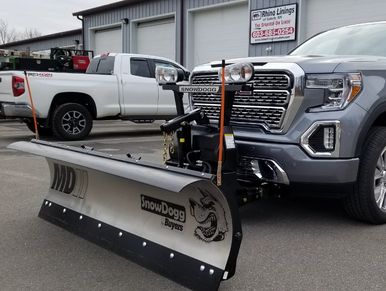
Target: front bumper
[
  {"x": 298, "y": 166},
  {"x": 15, "y": 110}
]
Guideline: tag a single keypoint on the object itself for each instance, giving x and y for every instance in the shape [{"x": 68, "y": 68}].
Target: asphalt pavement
[{"x": 288, "y": 244}]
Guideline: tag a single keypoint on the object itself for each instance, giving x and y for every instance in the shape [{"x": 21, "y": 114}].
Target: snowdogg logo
[
  {"x": 174, "y": 214},
  {"x": 199, "y": 89},
  {"x": 69, "y": 180},
  {"x": 210, "y": 215}
]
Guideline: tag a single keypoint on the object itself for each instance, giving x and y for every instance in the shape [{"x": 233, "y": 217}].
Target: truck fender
[
  {"x": 73, "y": 97},
  {"x": 375, "y": 116}
]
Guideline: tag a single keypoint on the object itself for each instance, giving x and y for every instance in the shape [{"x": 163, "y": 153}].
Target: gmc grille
[{"x": 267, "y": 105}]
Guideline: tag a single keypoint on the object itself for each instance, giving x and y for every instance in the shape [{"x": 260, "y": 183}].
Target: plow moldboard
[{"x": 173, "y": 221}]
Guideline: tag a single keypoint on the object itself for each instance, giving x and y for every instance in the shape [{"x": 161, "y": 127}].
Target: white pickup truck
[{"x": 115, "y": 86}]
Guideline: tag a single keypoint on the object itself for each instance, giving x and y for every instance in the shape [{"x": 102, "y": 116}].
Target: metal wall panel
[
  {"x": 47, "y": 44},
  {"x": 327, "y": 14},
  {"x": 221, "y": 31},
  {"x": 133, "y": 12},
  {"x": 274, "y": 48},
  {"x": 145, "y": 9},
  {"x": 201, "y": 3},
  {"x": 155, "y": 8}
]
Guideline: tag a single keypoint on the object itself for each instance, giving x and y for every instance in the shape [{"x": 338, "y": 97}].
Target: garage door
[
  {"x": 219, "y": 33},
  {"x": 157, "y": 38},
  {"x": 325, "y": 14},
  {"x": 108, "y": 40}
]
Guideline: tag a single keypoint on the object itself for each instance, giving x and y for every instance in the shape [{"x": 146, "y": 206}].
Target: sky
[{"x": 47, "y": 16}]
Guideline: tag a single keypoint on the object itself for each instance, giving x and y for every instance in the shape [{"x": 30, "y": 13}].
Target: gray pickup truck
[{"x": 315, "y": 121}]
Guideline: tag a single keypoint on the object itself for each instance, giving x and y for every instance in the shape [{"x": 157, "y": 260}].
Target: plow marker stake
[{"x": 174, "y": 221}]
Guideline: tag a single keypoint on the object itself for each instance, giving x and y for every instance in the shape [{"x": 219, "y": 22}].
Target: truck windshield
[{"x": 364, "y": 39}]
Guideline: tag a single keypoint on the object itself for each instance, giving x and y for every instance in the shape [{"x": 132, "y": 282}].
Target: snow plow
[{"x": 180, "y": 219}]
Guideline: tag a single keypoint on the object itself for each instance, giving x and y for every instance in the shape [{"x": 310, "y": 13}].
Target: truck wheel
[
  {"x": 367, "y": 202},
  {"x": 71, "y": 121},
  {"x": 43, "y": 130}
]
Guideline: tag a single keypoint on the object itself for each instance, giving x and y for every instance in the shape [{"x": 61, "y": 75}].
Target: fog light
[
  {"x": 322, "y": 139},
  {"x": 329, "y": 138}
]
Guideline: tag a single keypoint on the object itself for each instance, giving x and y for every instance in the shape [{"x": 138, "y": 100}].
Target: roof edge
[
  {"x": 43, "y": 37},
  {"x": 106, "y": 7}
]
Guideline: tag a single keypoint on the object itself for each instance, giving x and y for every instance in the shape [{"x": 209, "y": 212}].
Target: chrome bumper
[{"x": 15, "y": 110}]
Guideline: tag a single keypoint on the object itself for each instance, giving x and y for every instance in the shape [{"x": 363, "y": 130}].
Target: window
[
  {"x": 363, "y": 39},
  {"x": 106, "y": 66},
  {"x": 140, "y": 68},
  {"x": 103, "y": 66}
]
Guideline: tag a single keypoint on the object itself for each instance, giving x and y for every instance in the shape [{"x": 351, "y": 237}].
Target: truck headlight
[
  {"x": 237, "y": 73},
  {"x": 166, "y": 75},
  {"x": 339, "y": 89}
]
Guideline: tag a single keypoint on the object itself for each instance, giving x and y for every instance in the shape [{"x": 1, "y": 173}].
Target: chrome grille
[
  {"x": 259, "y": 97},
  {"x": 206, "y": 79},
  {"x": 271, "y": 81},
  {"x": 266, "y": 105},
  {"x": 270, "y": 116}
]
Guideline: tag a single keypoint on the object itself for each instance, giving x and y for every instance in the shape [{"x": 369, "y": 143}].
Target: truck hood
[{"x": 310, "y": 64}]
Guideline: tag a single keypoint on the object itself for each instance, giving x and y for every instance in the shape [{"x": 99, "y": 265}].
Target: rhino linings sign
[{"x": 273, "y": 24}]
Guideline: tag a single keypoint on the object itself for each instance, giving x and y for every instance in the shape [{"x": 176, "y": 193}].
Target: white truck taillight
[{"x": 18, "y": 87}]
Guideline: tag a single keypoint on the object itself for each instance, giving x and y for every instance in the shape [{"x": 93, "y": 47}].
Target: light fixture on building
[{"x": 125, "y": 20}]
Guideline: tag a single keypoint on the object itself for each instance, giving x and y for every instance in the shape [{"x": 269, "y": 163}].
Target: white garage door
[
  {"x": 108, "y": 40},
  {"x": 326, "y": 14},
  {"x": 157, "y": 38},
  {"x": 219, "y": 33}
]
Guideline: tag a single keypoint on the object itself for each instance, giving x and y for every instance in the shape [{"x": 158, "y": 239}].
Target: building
[
  {"x": 66, "y": 39},
  {"x": 197, "y": 31}
]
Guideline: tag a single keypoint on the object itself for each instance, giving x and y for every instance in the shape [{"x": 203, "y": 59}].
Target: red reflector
[{"x": 18, "y": 87}]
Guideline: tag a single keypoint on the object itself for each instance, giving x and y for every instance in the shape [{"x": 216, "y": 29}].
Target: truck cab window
[
  {"x": 140, "y": 68},
  {"x": 103, "y": 66}
]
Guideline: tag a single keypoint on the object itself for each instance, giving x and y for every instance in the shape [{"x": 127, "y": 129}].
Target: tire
[
  {"x": 71, "y": 121},
  {"x": 43, "y": 130},
  {"x": 367, "y": 202}
]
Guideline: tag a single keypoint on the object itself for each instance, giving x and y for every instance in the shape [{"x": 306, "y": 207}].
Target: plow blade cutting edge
[{"x": 174, "y": 221}]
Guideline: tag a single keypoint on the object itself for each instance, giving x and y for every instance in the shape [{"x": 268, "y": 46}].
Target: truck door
[{"x": 139, "y": 89}]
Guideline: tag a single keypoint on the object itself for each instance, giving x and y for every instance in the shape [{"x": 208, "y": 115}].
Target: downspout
[
  {"x": 182, "y": 11},
  {"x": 81, "y": 19}
]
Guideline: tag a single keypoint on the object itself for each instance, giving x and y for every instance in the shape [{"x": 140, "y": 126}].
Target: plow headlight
[
  {"x": 166, "y": 75},
  {"x": 340, "y": 90},
  {"x": 237, "y": 73}
]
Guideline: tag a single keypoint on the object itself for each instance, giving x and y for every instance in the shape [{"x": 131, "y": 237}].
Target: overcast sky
[{"x": 47, "y": 16}]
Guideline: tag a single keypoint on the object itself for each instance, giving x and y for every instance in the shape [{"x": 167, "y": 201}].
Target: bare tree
[
  {"x": 29, "y": 33},
  {"x": 6, "y": 34}
]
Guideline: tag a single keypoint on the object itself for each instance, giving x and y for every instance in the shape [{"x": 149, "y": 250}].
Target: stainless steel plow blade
[{"x": 173, "y": 221}]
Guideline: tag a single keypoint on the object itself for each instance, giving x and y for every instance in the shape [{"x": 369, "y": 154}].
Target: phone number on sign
[{"x": 273, "y": 32}]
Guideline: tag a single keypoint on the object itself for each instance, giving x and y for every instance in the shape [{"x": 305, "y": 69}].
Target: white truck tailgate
[{"x": 6, "y": 94}]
